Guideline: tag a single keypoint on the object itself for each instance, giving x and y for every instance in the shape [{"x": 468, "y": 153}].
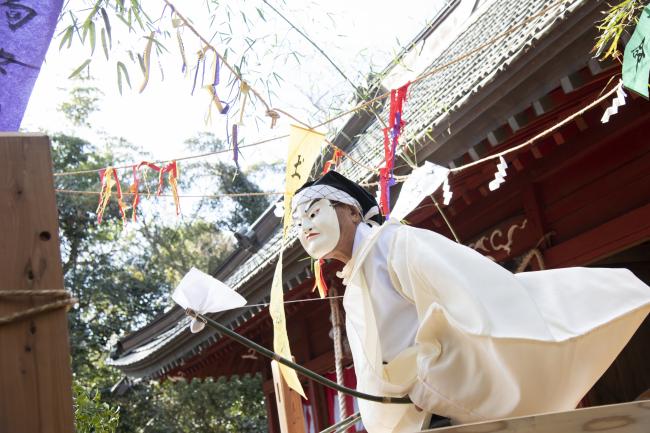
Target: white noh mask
[{"x": 318, "y": 227}]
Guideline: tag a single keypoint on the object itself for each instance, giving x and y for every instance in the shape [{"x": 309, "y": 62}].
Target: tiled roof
[{"x": 429, "y": 101}]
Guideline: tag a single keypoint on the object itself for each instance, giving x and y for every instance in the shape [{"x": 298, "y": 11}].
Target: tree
[{"x": 123, "y": 277}]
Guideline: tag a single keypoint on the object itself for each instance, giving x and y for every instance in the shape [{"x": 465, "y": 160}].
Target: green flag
[{"x": 636, "y": 60}]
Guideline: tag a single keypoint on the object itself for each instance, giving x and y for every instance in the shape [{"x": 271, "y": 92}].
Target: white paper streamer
[
  {"x": 499, "y": 176},
  {"x": 279, "y": 209},
  {"x": 204, "y": 294},
  {"x": 618, "y": 101},
  {"x": 446, "y": 191},
  {"x": 422, "y": 182}
]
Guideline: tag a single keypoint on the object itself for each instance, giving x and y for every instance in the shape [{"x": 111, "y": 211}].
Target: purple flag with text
[{"x": 26, "y": 29}]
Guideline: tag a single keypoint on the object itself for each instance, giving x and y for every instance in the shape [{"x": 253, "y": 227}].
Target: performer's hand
[{"x": 418, "y": 408}]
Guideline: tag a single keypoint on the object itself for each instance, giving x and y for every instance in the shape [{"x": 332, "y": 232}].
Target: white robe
[{"x": 490, "y": 344}]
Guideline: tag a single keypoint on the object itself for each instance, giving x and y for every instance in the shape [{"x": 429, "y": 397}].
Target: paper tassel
[
  {"x": 147, "y": 62},
  {"x": 245, "y": 88},
  {"x": 499, "y": 176},
  {"x": 334, "y": 162},
  {"x": 171, "y": 170},
  {"x": 196, "y": 72},
  {"x": 618, "y": 101},
  {"x": 235, "y": 145},
  {"x": 181, "y": 48},
  {"x": 279, "y": 209},
  {"x": 446, "y": 192},
  {"x": 319, "y": 278},
  {"x": 136, "y": 194},
  {"x": 109, "y": 178}
]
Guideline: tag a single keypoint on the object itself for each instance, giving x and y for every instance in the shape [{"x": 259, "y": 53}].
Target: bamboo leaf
[
  {"x": 79, "y": 69},
  {"x": 67, "y": 37},
  {"x": 119, "y": 78},
  {"x": 147, "y": 61},
  {"x": 104, "y": 46},
  {"x": 91, "y": 32},
  {"x": 107, "y": 25},
  {"x": 122, "y": 72}
]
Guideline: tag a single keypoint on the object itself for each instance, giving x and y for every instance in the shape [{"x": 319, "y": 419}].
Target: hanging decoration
[
  {"x": 319, "y": 278},
  {"x": 147, "y": 62},
  {"x": 618, "y": 101},
  {"x": 235, "y": 145},
  {"x": 170, "y": 169},
  {"x": 421, "y": 183},
  {"x": 446, "y": 192},
  {"x": 391, "y": 139},
  {"x": 334, "y": 162},
  {"x": 26, "y": 29},
  {"x": 244, "y": 89},
  {"x": 304, "y": 149},
  {"x": 499, "y": 176},
  {"x": 108, "y": 178},
  {"x": 636, "y": 63},
  {"x": 205, "y": 294}
]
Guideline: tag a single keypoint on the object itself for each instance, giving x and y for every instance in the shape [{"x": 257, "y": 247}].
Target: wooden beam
[
  {"x": 616, "y": 235},
  {"x": 35, "y": 374},
  {"x": 289, "y": 404}
]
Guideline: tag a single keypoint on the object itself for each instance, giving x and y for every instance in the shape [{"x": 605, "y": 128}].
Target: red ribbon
[
  {"x": 334, "y": 162},
  {"x": 392, "y": 133}
]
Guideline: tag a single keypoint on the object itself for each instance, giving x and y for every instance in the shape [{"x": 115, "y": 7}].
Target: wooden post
[
  {"x": 35, "y": 375},
  {"x": 289, "y": 404}
]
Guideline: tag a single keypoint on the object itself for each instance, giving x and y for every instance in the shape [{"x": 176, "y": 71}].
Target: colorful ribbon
[
  {"x": 108, "y": 178},
  {"x": 334, "y": 162},
  {"x": 392, "y": 133},
  {"x": 319, "y": 278}
]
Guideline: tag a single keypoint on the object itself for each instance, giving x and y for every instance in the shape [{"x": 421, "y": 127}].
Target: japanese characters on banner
[
  {"x": 636, "y": 63},
  {"x": 304, "y": 149},
  {"x": 422, "y": 182},
  {"x": 26, "y": 28}
]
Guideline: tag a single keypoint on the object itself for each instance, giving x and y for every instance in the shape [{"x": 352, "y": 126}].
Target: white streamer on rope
[
  {"x": 446, "y": 192},
  {"x": 499, "y": 176},
  {"x": 618, "y": 101}
]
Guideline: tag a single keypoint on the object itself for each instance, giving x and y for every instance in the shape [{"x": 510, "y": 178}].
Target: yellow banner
[{"x": 304, "y": 148}]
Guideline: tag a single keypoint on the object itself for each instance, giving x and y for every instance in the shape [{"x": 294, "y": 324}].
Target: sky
[{"x": 359, "y": 35}]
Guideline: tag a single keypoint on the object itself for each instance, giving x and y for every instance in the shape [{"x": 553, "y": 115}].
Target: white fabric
[
  {"x": 421, "y": 183},
  {"x": 388, "y": 303},
  {"x": 317, "y": 192},
  {"x": 490, "y": 344},
  {"x": 205, "y": 294}
]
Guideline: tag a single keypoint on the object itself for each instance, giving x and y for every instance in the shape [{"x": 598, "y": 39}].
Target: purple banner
[{"x": 26, "y": 29}]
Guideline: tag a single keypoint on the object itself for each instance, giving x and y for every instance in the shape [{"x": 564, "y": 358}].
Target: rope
[
  {"x": 237, "y": 194},
  {"x": 35, "y": 311},
  {"x": 525, "y": 261},
  {"x": 540, "y": 135},
  {"x": 344, "y": 424},
  {"x": 338, "y": 352}
]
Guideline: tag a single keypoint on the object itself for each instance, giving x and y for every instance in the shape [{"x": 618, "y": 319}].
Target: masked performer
[{"x": 462, "y": 336}]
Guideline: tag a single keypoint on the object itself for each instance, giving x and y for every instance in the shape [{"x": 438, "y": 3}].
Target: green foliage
[
  {"x": 83, "y": 102},
  {"x": 620, "y": 18},
  {"x": 123, "y": 279},
  {"x": 236, "y": 406},
  {"x": 92, "y": 415}
]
